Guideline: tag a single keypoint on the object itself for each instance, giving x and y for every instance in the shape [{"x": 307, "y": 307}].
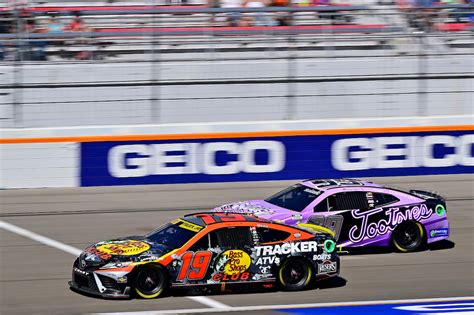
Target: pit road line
[
  {"x": 291, "y": 306},
  {"x": 76, "y": 252}
]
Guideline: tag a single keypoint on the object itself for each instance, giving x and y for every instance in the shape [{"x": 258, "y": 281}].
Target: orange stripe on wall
[{"x": 250, "y": 134}]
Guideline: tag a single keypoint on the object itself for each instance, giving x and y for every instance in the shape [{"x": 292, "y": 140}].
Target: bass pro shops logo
[
  {"x": 233, "y": 261},
  {"x": 211, "y": 158},
  {"x": 124, "y": 248},
  {"x": 232, "y": 265}
]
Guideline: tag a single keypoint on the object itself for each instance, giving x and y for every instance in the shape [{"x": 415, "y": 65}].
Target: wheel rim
[
  {"x": 295, "y": 273},
  {"x": 408, "y": 236},
  {"x": 149, "y": 281}
]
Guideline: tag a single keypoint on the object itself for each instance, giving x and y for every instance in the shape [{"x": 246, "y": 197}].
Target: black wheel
[
  {"x": 295, "y": 274},
  {"x": 408, "y": 237},
  {"x": 150, "y": 281}
]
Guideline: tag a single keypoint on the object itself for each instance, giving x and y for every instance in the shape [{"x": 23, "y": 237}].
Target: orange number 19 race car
[{"x": 206, "y": 251}]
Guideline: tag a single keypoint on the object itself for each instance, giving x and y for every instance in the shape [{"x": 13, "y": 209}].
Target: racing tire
[
  {"x": 295, "y": 274},
  {"x": 408, "y": 237},
  {"x": 150, "y": 281}
]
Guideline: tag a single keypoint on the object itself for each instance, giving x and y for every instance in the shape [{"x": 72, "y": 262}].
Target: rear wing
[{"x": 427, "y": 194}]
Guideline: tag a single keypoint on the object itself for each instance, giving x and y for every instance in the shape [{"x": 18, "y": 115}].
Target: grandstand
[
  {"x": 142, "y": 62},
  {"x": 118, "y": 28}
]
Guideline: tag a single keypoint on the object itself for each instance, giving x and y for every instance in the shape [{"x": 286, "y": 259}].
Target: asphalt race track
[{"x": 34, "y": 275}]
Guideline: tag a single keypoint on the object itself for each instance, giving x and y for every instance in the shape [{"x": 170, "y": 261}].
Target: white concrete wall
[
  {"x": 221, "y": 102},
  {"x": 36, "y": 165}
]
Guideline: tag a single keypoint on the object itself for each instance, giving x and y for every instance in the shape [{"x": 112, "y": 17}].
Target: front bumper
[{"x": 89, "y": 283}]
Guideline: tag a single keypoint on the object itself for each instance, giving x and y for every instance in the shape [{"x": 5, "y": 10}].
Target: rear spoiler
[
  {"x": 427, "y": 194},
  {"x": 313, "y": 228}
]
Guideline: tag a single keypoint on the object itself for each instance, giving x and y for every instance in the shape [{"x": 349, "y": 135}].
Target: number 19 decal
[{"x": 194, "y": 266}]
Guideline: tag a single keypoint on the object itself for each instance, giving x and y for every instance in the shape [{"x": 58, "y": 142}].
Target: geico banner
[{"x": 285, "y": 157}]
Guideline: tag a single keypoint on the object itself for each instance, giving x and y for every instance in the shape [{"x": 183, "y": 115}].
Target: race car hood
[
  {"x": 125, "y": 249},
  {"x": 259, "y": 208}
]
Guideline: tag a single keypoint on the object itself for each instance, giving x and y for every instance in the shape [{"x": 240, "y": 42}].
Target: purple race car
[{"x": 360, "y": 213}]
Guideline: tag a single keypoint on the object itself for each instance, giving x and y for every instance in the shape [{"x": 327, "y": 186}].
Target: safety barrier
[{"x": 198, "y": 153}]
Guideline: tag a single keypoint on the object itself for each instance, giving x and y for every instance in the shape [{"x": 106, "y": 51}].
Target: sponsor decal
[
  {"x": 144, "y": 162},
  {"x": 286, "y": 248},
  {"x": 394, "y": 216},
  {"x": 267, "y": 260},
  {"x": 82, "y": 272},
  {"x": 297, "y": 216},
  {"x": 329, "y": 246},
  {"x": 122, "y": 280},
  {"x": 327, "y": 267},
  {"x": 124, "y": 248},
  {"x": 246, "y": 207},
  {"x": 221, "y": 277},
  {"x": 370, "y": 199},
  {"x": 140, "y": 160},
  {"x": 402, "y": 152},
  {"x": 187, "y": 225},
  {"x": 261, "y": 276},
  {"x": 98, "y": 253},
  {"x": 265, "y": 269},
  {"x": 440, "y": 210},
  {"x": 313, "y": 191},
  {"x": 83, "y": 263},
  {"x": 439, "y": 232},
  {"x": 322, "y": 257},
  {"x": 232, "y": 262}
]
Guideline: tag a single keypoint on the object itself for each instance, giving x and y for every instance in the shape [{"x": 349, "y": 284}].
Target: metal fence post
[
  {"x": 17, "y": 74},
  {"x": 422, "y": 80},
  {"x": 290, "y": 89},
  {"x": 155, "y": 71}
]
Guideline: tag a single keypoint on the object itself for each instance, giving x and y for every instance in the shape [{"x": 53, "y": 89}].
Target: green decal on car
[
  {"x": 440, "y": 210},
  {"x": 329, "y": 246}
]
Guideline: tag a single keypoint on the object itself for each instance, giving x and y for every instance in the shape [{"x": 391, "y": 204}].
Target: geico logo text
[
  {"x": 399, "y": 152},
  {"x": 138, "y": 160}
]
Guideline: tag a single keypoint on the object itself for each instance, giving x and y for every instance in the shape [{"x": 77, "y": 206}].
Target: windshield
[
  {"x": 295, "y": 198},
  {"x": 171, "y": 235}
]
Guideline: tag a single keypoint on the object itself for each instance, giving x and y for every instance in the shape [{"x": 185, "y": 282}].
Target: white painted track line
[
  {"x": 287, "y": 306},
  {"x": 76, "y": 252},
  {"x": 209, "y": 302},
  {"x": 40, "y": 238}
]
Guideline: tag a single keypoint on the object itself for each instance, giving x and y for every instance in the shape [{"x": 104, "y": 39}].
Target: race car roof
[{"x": 325, "y": 184}]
